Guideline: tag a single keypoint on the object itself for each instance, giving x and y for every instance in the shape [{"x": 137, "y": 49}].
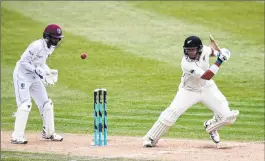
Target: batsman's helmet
[{"x": 191, "y": 42}]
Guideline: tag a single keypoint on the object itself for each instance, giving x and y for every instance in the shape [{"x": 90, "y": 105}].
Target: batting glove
[{"x": 224, "y": 55}]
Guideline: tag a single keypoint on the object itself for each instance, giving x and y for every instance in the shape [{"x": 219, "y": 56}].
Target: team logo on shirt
[
  {"x": 192, "y": 71},
  {"x": 22, "y": 85},
  {"x": 59, "y": 31}
]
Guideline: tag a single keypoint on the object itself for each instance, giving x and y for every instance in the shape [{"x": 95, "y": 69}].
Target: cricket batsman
[
  {"x": 196, "y": 86},
  {"x": 29, "y": 76}
]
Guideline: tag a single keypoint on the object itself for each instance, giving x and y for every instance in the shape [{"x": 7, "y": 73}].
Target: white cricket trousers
[
  {"x": 27, "y": 86},
  {"x": 210, "y": 96}
]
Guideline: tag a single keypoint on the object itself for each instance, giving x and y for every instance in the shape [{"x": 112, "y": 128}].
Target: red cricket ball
[{"x": 83, "y": 55}]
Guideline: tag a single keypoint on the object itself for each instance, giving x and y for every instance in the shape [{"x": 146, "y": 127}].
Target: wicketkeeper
[{"x": 29, "y": 76}]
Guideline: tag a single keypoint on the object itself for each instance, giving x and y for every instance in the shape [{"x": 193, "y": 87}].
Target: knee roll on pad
[
  {"x": 25, "y": 106},
  {"x": 232, "y": 118},
  {"x": 168, "y": 117},
  {"x": 229, "y": 119},
  {"x": 48, "y": 118},
  {"x": 218, "y": 121},
  {"x": 21, "y": 119},
  {"x": 48, "y": 105}
]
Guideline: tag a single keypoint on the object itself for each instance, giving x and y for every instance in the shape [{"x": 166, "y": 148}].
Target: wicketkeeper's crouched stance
[
  {"x": 29, "y": 75},
  {"x": 196, "y": 86}
]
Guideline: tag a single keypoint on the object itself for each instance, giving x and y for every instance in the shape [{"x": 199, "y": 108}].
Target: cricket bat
[{"x": 214, "y": 44}]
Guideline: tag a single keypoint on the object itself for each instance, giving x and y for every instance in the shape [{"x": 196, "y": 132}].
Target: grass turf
[{"x": 140, "y": 85}]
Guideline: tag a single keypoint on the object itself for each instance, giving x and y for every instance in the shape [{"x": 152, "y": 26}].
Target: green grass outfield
[
  {"x": 134, "y": 50},
  {"x": 25, "y": 156}
]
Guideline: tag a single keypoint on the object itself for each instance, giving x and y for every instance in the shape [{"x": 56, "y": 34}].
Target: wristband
[
  {"x": 214, "y": 68},
  {"x": 219, "y": 61}
]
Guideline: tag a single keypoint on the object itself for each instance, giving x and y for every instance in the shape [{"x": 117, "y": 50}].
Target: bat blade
[
  {"x": 213, "y": 43},
  {"x": 211, "y": 38}
]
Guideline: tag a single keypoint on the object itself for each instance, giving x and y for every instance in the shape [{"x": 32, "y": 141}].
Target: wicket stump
[{"x": 98, "y": 108}]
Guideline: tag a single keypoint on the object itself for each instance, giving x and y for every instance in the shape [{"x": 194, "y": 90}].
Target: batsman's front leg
[{"x": 169, "y": 116}]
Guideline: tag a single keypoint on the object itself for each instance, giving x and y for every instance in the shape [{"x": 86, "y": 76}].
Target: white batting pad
[
  {"x": 215, "y": 124},
  {"x": 48, "y": 118},
  {"x": 157, "y": 131},
  {"x": 169, "y": 116},
  {"x": 21, "y": 119}
]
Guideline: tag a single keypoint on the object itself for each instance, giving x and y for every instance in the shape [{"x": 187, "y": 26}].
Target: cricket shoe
[
  {"x": 20, "y": 140},
  {"x": 149, "y": 142},
  {"x": 214, "y": 135},
  {"x": 53, "y": 137}
]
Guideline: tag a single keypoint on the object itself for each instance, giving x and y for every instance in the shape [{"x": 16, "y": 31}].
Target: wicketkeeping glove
[{"x": 51, "y": 77}]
